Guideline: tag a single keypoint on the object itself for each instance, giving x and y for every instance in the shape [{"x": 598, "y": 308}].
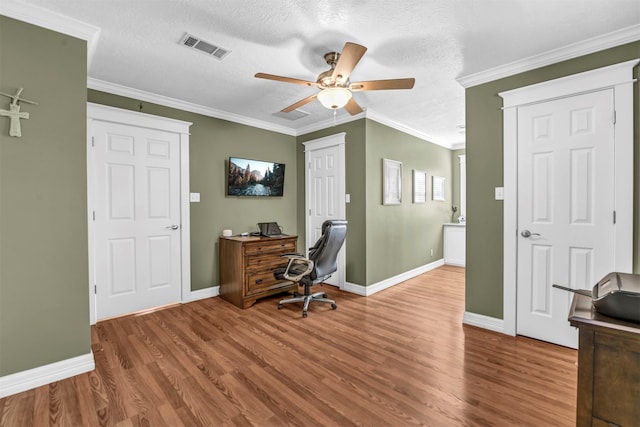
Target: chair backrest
[{"x": 324, "y": 253}]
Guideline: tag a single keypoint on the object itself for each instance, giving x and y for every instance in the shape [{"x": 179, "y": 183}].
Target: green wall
[
  {"x": 484, "y": 279},
  {"x": 44, "y": 298},
  {"x": 384, "y": 241},
  {"x": 400, "y": 238},
  {"x": 455, "y": 179},
  {"x": 355, "y": 186},
  {"x": 211, "y": 143},
  {"x": 44, "y": 289}
]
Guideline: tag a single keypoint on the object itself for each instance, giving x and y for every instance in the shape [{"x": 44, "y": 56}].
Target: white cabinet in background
[{"x": 454, "y": 244}]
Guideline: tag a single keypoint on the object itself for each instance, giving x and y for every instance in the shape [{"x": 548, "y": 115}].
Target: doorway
[
  {"x": 565, "y": 208},
  {"x": 138, "y": 211},
  {"x": 325, "y": 192},
  {"x": 529, "y": 258}
]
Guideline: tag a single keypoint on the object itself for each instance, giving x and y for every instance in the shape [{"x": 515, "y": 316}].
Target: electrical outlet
[{"x": 431, "y": 253}]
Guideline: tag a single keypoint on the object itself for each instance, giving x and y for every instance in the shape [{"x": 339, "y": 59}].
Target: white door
[
  {"x": 326, "y": 193},
  {"x": 565, "y": 208},
  {"x": 137, "y": 218}
]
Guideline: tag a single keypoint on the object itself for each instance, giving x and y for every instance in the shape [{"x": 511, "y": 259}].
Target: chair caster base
[{"x": 306, "y": 299}]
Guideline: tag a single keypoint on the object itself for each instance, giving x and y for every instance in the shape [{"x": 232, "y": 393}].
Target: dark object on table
[{"x": 616, "y": 295}]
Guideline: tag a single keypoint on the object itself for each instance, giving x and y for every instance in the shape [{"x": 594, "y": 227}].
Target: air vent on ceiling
[
  {"x": 293, "y": 115},
  {"x": 207, "y": 48}
]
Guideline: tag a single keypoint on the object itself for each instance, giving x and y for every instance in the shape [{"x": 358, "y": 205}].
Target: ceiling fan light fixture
[{"x": 334, "y": 97}]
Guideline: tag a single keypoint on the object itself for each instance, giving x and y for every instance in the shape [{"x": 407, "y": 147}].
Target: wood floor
[{"x": 399, "y": 357}]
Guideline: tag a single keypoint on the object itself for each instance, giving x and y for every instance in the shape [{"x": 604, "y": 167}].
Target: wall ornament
[{"x": 14, "y": 112}]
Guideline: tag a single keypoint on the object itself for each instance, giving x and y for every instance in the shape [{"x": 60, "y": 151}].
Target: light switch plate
[
  {"x": 499, "y": 193},
  {"x": 347, "y": 198},
  {"x": 194, "y": 197}
]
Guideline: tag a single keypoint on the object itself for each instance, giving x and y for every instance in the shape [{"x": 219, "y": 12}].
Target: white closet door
[{"x": 137, "y": 218}]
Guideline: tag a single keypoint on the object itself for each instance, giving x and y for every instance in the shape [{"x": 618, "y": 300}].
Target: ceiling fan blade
[
  {"x": 349, "y": 58},
  {"x": 383, "y": 84},
  {"x": 285, "y": 79},
  {"x": 300, "y": 103},
  {"x": 352, "y": 107}
]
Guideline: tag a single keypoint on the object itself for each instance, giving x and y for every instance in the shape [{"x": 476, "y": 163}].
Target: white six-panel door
[
  {"x": 137, "y": 218},
  {"x": 565, "y": 208},
  {"x": 326, "y": 192}
]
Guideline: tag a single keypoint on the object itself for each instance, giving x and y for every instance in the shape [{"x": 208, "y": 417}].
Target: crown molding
[
  {"x": 585, "y": 47},
  {"x": 329, "y": 123},
  {"x": 406, "y": 129},
  {"x": 166, "y": 101},
  {"x": 53, "y": 21},
  {"x": 129, "y": 92},
  {"x": 377, "y": 117}
]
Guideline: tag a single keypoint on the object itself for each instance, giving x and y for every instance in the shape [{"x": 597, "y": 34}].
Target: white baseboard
[
  {"x": 485, "y": 322},
  {"x": 213, "y": 291},
  {"x": 43, "y": 375},
  {"x": 391, "y": 281}
]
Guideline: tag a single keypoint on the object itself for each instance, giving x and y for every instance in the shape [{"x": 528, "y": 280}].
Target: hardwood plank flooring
[{"x": 399, "y": 357}]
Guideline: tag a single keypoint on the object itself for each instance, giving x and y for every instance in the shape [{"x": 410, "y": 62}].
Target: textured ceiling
[{"x": 435, "y": 41}]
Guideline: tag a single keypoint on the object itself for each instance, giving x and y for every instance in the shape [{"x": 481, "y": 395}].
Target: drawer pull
[{"x": 258, "y": 281}]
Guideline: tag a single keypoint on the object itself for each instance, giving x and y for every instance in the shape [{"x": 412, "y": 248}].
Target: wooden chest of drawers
[
  {"x": 247, "y": 265},
  {"x": 608, "y": 367}
]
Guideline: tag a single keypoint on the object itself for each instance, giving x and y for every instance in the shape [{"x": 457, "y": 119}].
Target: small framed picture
[
  {"x": 419, "y": 186},
  {"x": 391, "y": 182},
  {"x": 438, "y": 188}
]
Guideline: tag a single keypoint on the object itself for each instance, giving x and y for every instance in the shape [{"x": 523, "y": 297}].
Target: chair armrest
[
  {"x": 293, "y": 260},
  {"x": 292, "y": 255}
]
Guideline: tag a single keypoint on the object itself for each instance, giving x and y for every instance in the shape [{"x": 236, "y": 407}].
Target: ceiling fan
[{"x": 334, "y": 84}]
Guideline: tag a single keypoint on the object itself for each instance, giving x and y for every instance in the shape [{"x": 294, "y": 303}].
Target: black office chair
[{"x": 320, "y": 265}]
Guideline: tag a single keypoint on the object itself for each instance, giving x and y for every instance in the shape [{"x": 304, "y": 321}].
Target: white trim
[
  {"x": 585, "y": 47},
  {"x": 382, "y": 119},
  {"x": 166, "y": 101},
  {"x": 46, "y": 374},
  {"x": 324, "y": 142},
  {"x": 587, "y": 81},
  {"x": 116, "y": 115},
  {"x": 116, "y": 89},
  {"x": 462, "y": 163},
  {"x": 336, "y": 140},
  {"x": 205, "y": 293},
  {"x": 376, "y": 117},
  {"x": 510, "y": 219},
  {"x": 339, "y": 120},
  {"x": 366, "y": 291},
  {"x": 185, "y": 213},
  {"x": 53, "y": 21},
  {"x": 619, "y": 77},
  {"x": 106, "y": 113},
  {"x": 484, "y": 322}
]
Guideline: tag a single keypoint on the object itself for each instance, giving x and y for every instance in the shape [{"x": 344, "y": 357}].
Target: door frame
[
  {"x": 338, "y": 140},
  {"x": 618, "y": 77},
  {"x": 103, "y": 113}
]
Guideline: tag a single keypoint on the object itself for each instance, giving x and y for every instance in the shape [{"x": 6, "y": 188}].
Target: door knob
[
  {"x": 527, "y": 233},
  {"x": 173, "y": 227}
]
